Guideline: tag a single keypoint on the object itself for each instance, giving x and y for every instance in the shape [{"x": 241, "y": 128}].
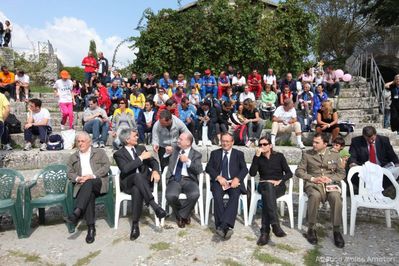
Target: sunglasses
[
  {"x": 263, "y": 144},
  {"x": 122, "y": 103}
]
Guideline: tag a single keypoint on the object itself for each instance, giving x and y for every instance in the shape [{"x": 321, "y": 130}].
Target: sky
[{"x": 70, "y": 25}]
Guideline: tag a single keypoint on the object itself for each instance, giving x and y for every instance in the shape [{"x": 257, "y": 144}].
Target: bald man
[{"x": 182, "y": 177}]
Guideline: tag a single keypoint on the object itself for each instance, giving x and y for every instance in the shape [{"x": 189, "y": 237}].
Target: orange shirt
[{"x": 7, "y": 79}]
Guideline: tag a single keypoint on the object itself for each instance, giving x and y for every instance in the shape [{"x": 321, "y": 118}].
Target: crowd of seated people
[{"x": 187, "y": 98}]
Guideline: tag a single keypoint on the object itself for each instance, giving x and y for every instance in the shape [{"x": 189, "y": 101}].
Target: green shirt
[{"x": 270, "y": 97}]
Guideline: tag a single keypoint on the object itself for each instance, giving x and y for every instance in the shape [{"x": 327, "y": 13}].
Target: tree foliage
[
  {"x": 215, "y": 34},
  {"x": 76, "y": 73},
  {"x": 342, "y": 29},
  {"x": 385, "y": 12},
  {"x": 93, "y": 48}
]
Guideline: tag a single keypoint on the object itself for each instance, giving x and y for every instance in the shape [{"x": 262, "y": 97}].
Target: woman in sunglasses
[
  {"x": 273, "y": 172},
  {"x": 123, "y": 118}
]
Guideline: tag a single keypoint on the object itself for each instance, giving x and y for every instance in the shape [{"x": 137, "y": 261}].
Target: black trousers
[
  {"x": 225, "y": 214},
  {"x": 395, "y": 115},
  {"x": 182, "y": 208},
  {"x": 42, "y": 131},
  {"x": 138, "y": 186},
  {"x": 86, "y": 199},
  {"x": 163, "y": 161},
  {"x": 270, "y": 194}
]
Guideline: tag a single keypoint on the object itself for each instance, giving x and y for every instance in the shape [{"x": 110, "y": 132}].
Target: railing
[{"x": 364, "y": 65}]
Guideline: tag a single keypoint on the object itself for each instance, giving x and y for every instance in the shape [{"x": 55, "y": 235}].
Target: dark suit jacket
[
  {"x": 128, "y": 166},
  {"x": 195, "y": 167},
  {"x": 99, "y": 165},
  {"x": 237, "y": 166},
  {"x": 212, "y": 114},
  {"x": 360, "y": 154}
]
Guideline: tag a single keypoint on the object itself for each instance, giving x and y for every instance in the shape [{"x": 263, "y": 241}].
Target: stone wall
[{"x": 7, "y": 57}]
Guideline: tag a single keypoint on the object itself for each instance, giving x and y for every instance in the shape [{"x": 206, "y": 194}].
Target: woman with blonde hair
[{"x": 327, "y": 119}]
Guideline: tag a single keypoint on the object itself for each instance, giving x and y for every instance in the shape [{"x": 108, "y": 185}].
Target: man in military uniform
[{"x": 322, "y": 174}]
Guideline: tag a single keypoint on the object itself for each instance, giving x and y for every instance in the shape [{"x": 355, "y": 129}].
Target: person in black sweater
[{"x": 273, "y": 172}]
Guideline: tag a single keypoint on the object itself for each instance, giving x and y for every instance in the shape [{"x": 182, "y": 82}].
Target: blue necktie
[
  {"x": 179, "y": 167},
  {"x": 225, "y": 166}
]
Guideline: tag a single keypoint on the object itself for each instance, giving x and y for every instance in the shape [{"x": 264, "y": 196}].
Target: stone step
[
  {"x": 356, "y": 103},
  {"x": 55, "y": 119},
  {"x": 353, "y": 93}
]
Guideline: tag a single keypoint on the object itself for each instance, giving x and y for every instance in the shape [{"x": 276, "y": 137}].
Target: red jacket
[
  {"x": 103, "y": 99},
  {"x": 90, "y": 64},
  {"x": 174, "y": 111}
]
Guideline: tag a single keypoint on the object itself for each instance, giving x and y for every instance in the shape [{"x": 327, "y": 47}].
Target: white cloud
[{"x": 70, "y": 38}]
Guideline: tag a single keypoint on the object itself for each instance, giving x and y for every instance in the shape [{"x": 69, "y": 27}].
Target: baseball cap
[
  {"x": 207, "y": 72},
  {"x": 64, "y": 74},
  {"x": 196, "y": 73}
]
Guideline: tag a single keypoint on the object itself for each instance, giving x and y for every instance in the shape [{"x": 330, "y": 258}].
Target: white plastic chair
[
  {"x": 287, "y": 198},
  {"x": 303, "y": 200},
  {"x": 199, "y": 205},
  {"x": 366, "y": 200},
  {"x": 124, "y": 197},
  {"x": 209, "y": 197}
]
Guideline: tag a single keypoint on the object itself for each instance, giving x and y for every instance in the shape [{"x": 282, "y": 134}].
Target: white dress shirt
[
  {"x": 85, "y": 163},
  {"x": 129, "y": 149}
]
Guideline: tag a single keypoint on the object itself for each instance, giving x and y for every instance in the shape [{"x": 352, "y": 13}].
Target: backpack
[
  {"x": 55, "y": 143},
  {"x": 13, "y": 124},
  {"x": 240, "y": 135}
]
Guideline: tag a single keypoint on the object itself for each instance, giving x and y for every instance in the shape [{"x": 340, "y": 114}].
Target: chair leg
[
  {"x": 344, "y": 218},
  {"x": 252, "y": 209},
  {"x": 109, "y": 207},
  {"x": 300, "y": 213},
  {"x": 244, "y": 202},
  {"x": 200, "y": 206},
  {"x": 353, "y": 219},
  {"x": 17, "y": 222},
  {"x": 388, "y": 218},
  {"x": 291, "y": 212},
  {"x": 124, "y": 206},
  {"x": 207, "y": 209},
  {"x": 117, "y": 211},
  {"x": 27, "y": 220},
  {"x": 66, "y": 210},
  {"x": 282, "y": 208}
]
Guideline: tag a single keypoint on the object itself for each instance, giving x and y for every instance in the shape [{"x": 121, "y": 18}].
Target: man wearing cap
[
  {"x": 90, "y": 64},
  {"x": 209, "y": 85},
  {"x": 63, "y": 90},
  {"x": 196, "y": 80}
]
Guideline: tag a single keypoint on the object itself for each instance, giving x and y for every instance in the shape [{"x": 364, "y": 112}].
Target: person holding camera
[{"x": 96, "y": 122}]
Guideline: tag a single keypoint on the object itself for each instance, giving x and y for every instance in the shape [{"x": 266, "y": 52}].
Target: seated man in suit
[
  {"x": 88, "y": 170},
  {"x": 227, "y": 170},
  {"x": 134, "y": 163},
  {"x": 376, "y": 149},
  {"x": 182, "y": 177},
  {"x": 320, "y": 168}
]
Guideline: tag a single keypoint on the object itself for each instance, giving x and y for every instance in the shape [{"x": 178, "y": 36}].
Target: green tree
[
  {"x": 217, "y": 33},
  {"x": 76, "y": 73},
  {"x": 385, "y": 12},
  {"x": 93, "y": 48}
]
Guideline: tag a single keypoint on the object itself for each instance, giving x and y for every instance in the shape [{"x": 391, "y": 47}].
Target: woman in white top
[
  {"x": 270, "y": 79},
  {"x": 63, "y": 90},
  {"x": 238, "y": 83}
]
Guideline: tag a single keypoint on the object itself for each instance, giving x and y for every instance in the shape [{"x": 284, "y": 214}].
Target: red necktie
[{"x": 373, "y": 158}]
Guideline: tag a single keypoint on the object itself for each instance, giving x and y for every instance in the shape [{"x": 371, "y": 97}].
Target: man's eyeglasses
[
  {"x": 121, "y": 103},
  {"x": 263, "y": 144}
]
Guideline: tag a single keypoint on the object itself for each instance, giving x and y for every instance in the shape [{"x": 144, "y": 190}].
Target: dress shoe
[
  {"x": 187, "y": 220},
  {"x": 263, "y": 239},
  {"x": 135, "y": 233},
  {"x": 311, "y": 236},
  {"x": 220, "y": 232},
  {"x": 277, "y": 231},
  {"x": 91, "y": 234},
  {"x": 338, "y": 240},
  {"x": 180, "y": 222},
  {"x": 160, "y": 213},
  {"x": 72, "y": 219},
  {"x": 228, "y": 232}
]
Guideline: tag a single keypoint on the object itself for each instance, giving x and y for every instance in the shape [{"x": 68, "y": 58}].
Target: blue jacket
[
  {"x": 206, "y": 80},
  {"x": 118, "y": 93},
  {"x": 165, "y": 84},
  {"x": 190, "y": 112},
  {"x": 193, "y": 81}
]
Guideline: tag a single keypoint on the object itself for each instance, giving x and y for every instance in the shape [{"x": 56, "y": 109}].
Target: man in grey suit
[
  {"x": 182, "y": 177},
  {"x": 88, "y": 170}
]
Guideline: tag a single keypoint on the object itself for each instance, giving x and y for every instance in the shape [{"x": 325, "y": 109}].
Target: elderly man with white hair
[{"x": 88, "y": 170}]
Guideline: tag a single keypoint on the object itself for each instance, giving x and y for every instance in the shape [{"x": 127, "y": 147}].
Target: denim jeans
[
  {"x": 255, "y": 129},
  {"x": 98, "y": 128}
]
